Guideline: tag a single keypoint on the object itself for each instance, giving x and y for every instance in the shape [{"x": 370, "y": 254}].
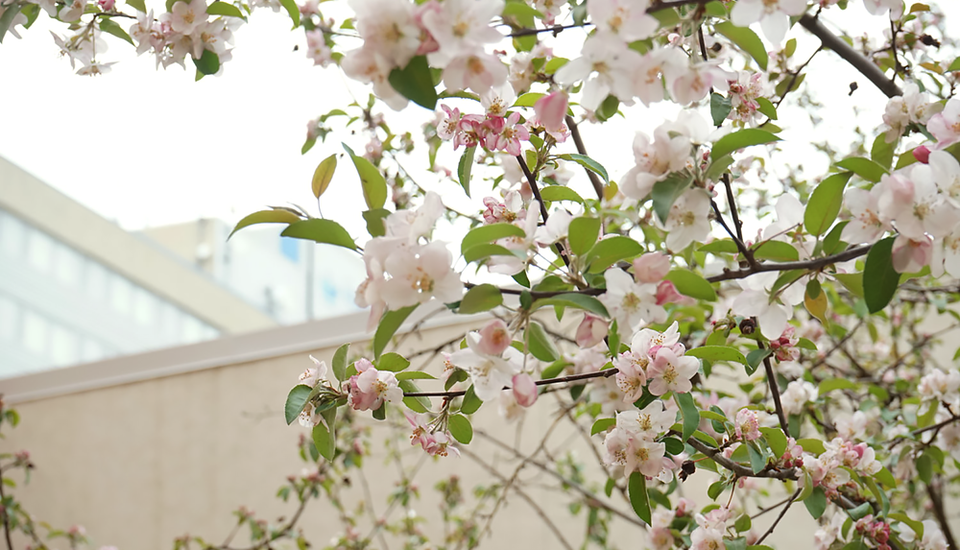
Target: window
[
  {"x": 9, "y": 319},
  {"x": 95, "y": 282},
  {"x": 69, "y": 268},
  {"x": 121, "y": 294},
  {"x": 64, "y": 346},
  {"x": 290, "y": 248},
  {"x": 91, "y": 350},
  {"x": 35, "y": 333},
  {"x": 12, "y": 235},
  {"x": 145, "y": 307},
  {"x": 40, "y": 251}
]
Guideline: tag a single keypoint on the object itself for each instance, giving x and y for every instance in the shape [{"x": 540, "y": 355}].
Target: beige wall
[{"x": 142, "y": 462}]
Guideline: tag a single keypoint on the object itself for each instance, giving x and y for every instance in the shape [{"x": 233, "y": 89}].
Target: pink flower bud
[
  {"x": 494, "y": 338},
  {"x": 910, "y": 256},
  {"x": 551, "y": 110},
  {"x": 107, "y": 5},
  {"x": 922, "y": 154},
  {"x": 524, "y": 389},
  {"x": 667, "y": 293},
  {"x": 591, "y": 331},
  {"x": 651, "y": 268}
]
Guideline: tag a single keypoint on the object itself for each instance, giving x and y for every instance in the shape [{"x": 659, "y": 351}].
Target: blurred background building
[{"x": 76, "y": 288}]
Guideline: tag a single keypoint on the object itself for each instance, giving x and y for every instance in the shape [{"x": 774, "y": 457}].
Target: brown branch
[
  {"x": 739, "y": 469},
  {"x": 543, "y": 208},
  {"x": 796, "y": 75},
  {"x": 782, "y": 513},
  {"x": 559, "y": 380},
  {"x": 936, "y": 498},
  {"x": 6, "y": 517},
  {"x": 866, "y": 67},
  {"x": 775, "y": 390},
  {"x": 814, "y": 264},
  {"x": 581, "y": 148}
]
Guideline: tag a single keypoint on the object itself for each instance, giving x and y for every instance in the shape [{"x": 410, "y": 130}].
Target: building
[{"x": 76, "y": 288}]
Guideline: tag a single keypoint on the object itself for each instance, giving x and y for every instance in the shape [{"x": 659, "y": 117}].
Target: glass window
[
  {"x": 64, "y": 346},
  {"x": 192, "y": 330},
  {"x": 9, "y": 319},
  {"x": 91, "y": 350},
  {"x": 40, "y": 250},
  {"x": 290, "y": 248},
  {"x": 69, "y": 266},
  {"x": 35, "y": 333},
  {"x": 121, "y": 293},
  {"x": 145, "y": 307},
  {"x": 12, "y": 235},
  {"x": 169, "y": 324},
  {"x": 95, "y": 282}
]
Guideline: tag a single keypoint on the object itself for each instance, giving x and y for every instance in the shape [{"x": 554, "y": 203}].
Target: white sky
[{"x": 149, "y": 147}]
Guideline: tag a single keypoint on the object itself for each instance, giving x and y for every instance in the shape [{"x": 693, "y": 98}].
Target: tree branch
[
  {"x": 739, "y": 469},
  {"x": 581, "y": 148},
  {"x": 936, "y": 498},
  {"x": 866, "y": 67},
  {"x": 559, "y": 380},
  {"x": 816, "y": 263},
  {"x": 543, "y": 208},
  {"x": 782, "y": 513}
]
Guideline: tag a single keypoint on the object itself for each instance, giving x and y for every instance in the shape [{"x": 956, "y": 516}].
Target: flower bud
[
  {"x": 922, "y": 154},
  {"x": 551, "y": 110},
  {"x": 667, "y": 293},
  {"x": 591, "y": 331},
  {"x": 494, "y": 338},
  {"x": 524, "y": 389},
  {"x": 651, "y": 267}
]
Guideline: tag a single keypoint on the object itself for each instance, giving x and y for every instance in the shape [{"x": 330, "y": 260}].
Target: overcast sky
[{"x": 149, "y": 147}]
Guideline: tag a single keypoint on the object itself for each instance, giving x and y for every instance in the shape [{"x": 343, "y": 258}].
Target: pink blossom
[
  {"x": 107, "y": 5},
  {"x": 671, "y": 372},
  {"x": 371, "y": 387},
  {"x": 945, "y": 125},
  {"x": 667, "y": 293},
  {"x": 505, "y": 134},
  {"x": 494, "y": 338},
  {"x": 922, "y": 154},
  {"x": 435, "y": 443},
  {"x": 592, "y": 331},
  {"x": 632, "y": 373},
  {"x": 747, "y": 425},
  {"x": 909, "y": 256},
  {"x": 450, "y": 126},
  {"x": 524, "y": 389},
  {"x": 651, "y": 267},
  {"x": 551, "y": 110}
]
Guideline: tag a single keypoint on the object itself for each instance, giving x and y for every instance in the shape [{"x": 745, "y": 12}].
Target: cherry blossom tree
[{"x": 716, "y": 256}]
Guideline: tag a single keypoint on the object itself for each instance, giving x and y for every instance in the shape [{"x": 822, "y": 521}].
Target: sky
[{"x": 147, "y": 147}]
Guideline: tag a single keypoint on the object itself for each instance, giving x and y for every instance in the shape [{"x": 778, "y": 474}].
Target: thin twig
[
  {"x": 775, "y": 390},
  {"x": 559, "y": 380},
  {"x": 782, "y": 513},
  {"x": 543, "y": 208},
  {"x": 581, "y": 148}
]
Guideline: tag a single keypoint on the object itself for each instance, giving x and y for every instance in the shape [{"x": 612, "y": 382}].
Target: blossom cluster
[
  {"x": 632, "y": 444},
  {"x": 401, "y": 271},
  {"x": 656, "y": 361}
]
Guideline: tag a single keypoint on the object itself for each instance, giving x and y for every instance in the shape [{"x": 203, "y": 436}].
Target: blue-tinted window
[{"x": 290, "y": 248}]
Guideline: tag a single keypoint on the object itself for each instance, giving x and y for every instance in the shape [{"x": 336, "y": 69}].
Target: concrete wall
[{"x": 192, "y": 435}]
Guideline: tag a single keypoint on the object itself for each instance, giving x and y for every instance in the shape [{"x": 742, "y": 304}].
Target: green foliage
[
  {"x": 637, "y": 489},
  {"x": 481, "y": 298},
  {"x": 389, "y": 324},
  {"x": 320, "y": 231},
  {"x": 747, "y": 40},
  {"x": 266, "y": 216},
  {"x": 740, "y": 139},
  {"x": 880, "y": 279},
  {"x": 824, "y": 204},
  {"x": 415, "y": 82},
  {"x": 296, "y": 399}
]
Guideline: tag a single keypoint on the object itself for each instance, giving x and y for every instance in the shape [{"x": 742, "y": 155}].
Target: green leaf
[
  {"x": 718, "y": 167},
  {"x": 608, "y": 107},
  {"x": 637, "y": 489},
  {"x": 882, "y": 152},
  {"x": 323, "y": 174},
  {"x": 717, "y": 353},
  {"x": 481, "y": 298},
  {"x": 690, "y": 413},
  {"x": 108, "y": 26},
  {"x": 672, "y": 446},
  {"x": 416, "y": 404},
  {"x": 540, "y": 344},
  {"x": 389, "y": 324},
  {"x": 925, "y": 468},
  {"x": 554, "y": 369},
  {"x": 7, "y": 19},
  {"x": 415, "y": 82},
  {"x": 860, "y": 511},
  {"x": 824, "y": 204},
  {"x": 339, "y": 363},
  {"x": 816, "y": 503},
  {"x": 589, "y": 164},
  {"x": 296, "y": 399},
  {"x": 465, "y": 167},
  {"x": 691, "y": 284},
  {"x": 915, "y": 525},
  {"x": 811, "y": 445},
  {"x": 832, "y": 384},
  {"x": 137, "y": 5},
  {"x": 292, "y": 10},
  {"x": 209, "y": 63},
  {"x": 602, "y": 425},
  {"x": 767, "y": 108},
  {"x": 714, "y": 490},
  {"x": 667, "y": 191},
  {"x": 740, "y": 139},
  {"x": 393, "y": 362},
  {"x": 415, "y": 375},
  {"x": 776, "y": 440},
  {"x": 325, "y": 437},
  {"x": 560, "y": 193},
  {"x": 223, "y": 8},
  {"x": 777, "y": 251},
  {"x": 743, "y": 523},
  {"x": 488, "y": 234},
  {"x": 720, "y": 107},
  {"x": 266, "y": 216},
  {"x": 376, "y": 226},
  {"x": 880, "y": 279},
  {"x": 755, "y": 357},
  {"x": 371, "y": 180},
  {"x": 471, "y": 403},
  {"x": 483, "y": 251},
  {"x": 579, "y": 301},
  {"x": 582, "y": 234},
  {"x": 735, "y": 544},
  {"x": 460, "y": 428},
  {"x": 884, "y": 476},
  {"x": 528, "y": 99},
  {"x": 852, "y": 282},
  {"x": 721, "y": 246},
  {"x": 321, "y": 231},
  {"x": 757, "y": 461},
  {"x": 865, "y": 168},
  {"x": 611, "y": 250},
  {"x": 746, "y": 39}
]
